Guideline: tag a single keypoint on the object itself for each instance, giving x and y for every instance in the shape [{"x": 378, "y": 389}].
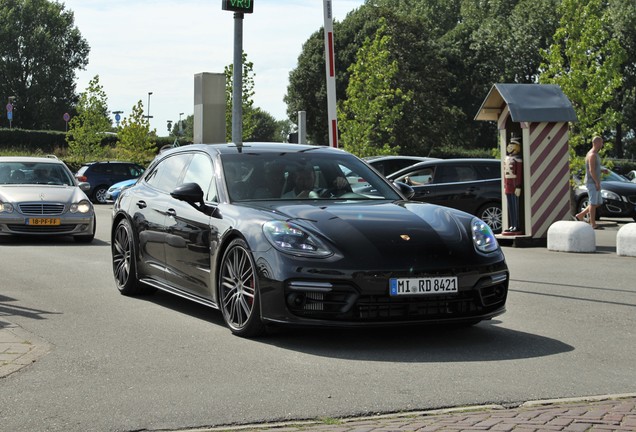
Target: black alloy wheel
[
  {"x": 124, "y": 264},
  {"x": 238, "y": 291}
]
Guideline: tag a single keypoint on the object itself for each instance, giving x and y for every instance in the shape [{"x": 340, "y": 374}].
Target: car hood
[
  {"x": 48, "y": 193},
  {"x": 621, "y": 188},
  {"x": 381, "y": 232}
]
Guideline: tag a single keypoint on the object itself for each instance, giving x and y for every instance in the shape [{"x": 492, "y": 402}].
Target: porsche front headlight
[
  {"x": 483, "y": 237},
  {"x": 290, "y": 238}
]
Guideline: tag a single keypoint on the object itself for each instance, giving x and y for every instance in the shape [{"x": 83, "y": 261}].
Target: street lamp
[{"x": 180, "y": 124}]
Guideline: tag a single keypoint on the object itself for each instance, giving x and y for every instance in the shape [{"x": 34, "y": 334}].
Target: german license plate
[
  {"x": 423, "y": 286},
  {"x": 43, "y": 221}
]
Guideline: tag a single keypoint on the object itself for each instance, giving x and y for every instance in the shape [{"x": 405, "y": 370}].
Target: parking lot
[{"x": 116, "y": 363}]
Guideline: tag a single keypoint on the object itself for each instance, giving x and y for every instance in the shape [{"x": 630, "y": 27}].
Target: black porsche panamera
[{"x": 235, "y": 228}]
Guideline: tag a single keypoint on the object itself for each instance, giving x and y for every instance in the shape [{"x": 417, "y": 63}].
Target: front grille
[
  {"x": 344, "y": 303},
  {"x": 33, "y": 229},
  {"x": 40, "y": 209}
]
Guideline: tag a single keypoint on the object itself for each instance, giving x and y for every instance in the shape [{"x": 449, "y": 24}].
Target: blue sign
[
  {"x": 10, "y": 115},
  {"x": 117, "y": 117}
]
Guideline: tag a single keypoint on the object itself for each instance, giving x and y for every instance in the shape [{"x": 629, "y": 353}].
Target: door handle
[{"x": 142, "y": 204}]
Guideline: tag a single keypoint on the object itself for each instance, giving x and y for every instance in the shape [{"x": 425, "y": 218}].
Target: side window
[
  {"x": 201, "y": 171},
  {"x": 166, "y": 174},
  {"x": 120, "y": 170},
  {"x": 420, "y": 177},
  {"x": 466, "y": 173},
  {"x": 446, "y": 174},
  {"x": 489, "y": 171},
  {"x": 101, "y": 168}
]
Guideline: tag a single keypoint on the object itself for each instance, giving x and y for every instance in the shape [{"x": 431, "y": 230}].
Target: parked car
[
  {"x": 40, "y": 197},
  {"x": 471, "y": 185},
  {"x": 102, "y": 175},
  {"x": 618, "y": 193},
  {"x": 209, "y": 223},
  {"x": 387, "y": 165},
  {"x": 113, "y": 192},
  {"x": 631, "y": 176}
]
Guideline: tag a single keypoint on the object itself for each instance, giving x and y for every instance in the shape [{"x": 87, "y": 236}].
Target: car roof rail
[{"x": 51, "y": 156}]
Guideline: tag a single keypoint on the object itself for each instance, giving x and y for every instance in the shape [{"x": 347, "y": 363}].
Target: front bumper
[{"x": 365, "y": 300}]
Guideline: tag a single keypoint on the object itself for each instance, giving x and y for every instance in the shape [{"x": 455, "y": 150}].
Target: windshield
[
  {"x": 310, "y": 175},
  {"x": 609, "y": 175},
  {"x": 26, "y": 173}
]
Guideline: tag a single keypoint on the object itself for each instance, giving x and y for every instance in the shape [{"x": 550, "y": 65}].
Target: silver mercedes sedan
[{"x": 39, "y": 196}]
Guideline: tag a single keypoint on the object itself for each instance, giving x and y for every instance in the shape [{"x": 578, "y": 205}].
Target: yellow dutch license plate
[{"x": 43, "y": 221}]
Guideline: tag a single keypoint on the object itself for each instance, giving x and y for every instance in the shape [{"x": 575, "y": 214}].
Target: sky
[{"x": 142, "y": 46}]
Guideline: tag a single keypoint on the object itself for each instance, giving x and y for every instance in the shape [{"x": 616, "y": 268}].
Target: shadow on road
[{"x": 487, "y": 341}]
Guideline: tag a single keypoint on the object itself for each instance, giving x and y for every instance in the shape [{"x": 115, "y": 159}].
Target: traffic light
[{"x": 245, "y": 6}]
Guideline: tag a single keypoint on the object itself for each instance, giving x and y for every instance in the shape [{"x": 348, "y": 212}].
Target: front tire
[
  {"x": 124, "y": 261},
  {"x": 491, "y": 214},
  {"x": 239, "y": 298}
]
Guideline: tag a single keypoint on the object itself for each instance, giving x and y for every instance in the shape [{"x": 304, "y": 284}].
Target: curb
[{"x": 374, "y": 423}]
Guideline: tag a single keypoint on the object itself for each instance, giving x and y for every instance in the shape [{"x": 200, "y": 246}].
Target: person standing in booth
[{"x": 513, "y": 178}]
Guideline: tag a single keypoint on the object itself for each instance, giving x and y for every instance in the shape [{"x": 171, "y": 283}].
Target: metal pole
[
  {"x": 302, "y": 127},
  {"x": 237, "y": 81},
  {"x": 331, "y": 75},
  {"x": 148, "y": 112}
]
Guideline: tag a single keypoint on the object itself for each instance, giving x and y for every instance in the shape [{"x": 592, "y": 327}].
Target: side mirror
[
  {"x": 405, "y": 189},
  {"x": 84, "y": 186},
  {"x": 188, "y": 192}
]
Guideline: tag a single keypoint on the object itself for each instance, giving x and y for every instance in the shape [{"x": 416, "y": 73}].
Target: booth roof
[{"x": 527, "y": 103}]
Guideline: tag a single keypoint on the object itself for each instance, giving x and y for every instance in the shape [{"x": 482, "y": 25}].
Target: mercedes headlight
[{"x": 81, "y": 207}]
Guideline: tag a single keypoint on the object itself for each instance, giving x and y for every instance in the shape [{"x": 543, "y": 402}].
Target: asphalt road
[{"x": 159, "y": 362}]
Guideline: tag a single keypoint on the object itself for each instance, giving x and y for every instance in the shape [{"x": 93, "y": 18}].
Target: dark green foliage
[
  {"x": 450, "y": 54},
  {"x": 40, "y": 52}
]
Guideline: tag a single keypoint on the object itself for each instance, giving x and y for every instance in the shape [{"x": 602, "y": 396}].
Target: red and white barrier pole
[{"x": 331, "y": 75}]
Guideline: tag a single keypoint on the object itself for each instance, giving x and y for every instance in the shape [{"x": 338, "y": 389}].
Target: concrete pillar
[{"x": 209, "y": 108}]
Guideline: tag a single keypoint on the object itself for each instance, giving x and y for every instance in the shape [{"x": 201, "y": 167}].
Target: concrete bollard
[
  {"x": 571, "y": 236},
  {"x": 626, "y": 240}
]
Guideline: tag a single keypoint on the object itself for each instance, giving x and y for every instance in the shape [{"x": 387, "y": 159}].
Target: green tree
[
  {"x": 374, "y": 105},
  {"x": 136, "y": 142},
  {"x": 622, "y": 18},
  {"x": 40, "y": 53},
  {"x": 247, "y": 94},
  {"x": 585, "y": 60},
  {"x": 265, "y": 127},
  {"x": 87, "y": 128}
]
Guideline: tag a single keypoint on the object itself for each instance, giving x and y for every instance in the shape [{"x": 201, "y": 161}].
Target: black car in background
[
  {"x": 618, "y": 193},
  {"x": 387, "y": 165},
  {"x": 102, "y": 175},
  {"x": 275, "y": 234},
  {"x": 467, "y": 184}
]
